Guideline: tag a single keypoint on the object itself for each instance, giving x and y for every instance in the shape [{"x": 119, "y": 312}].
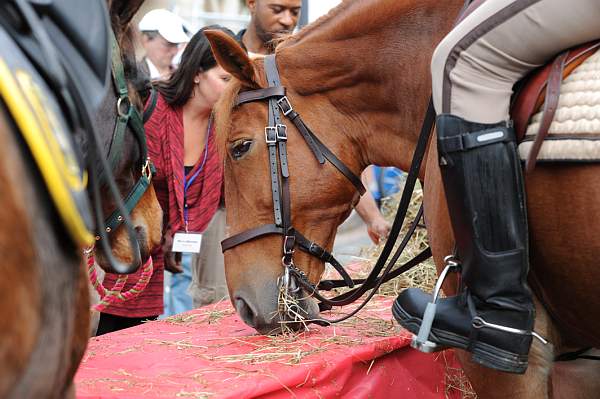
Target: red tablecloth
[{"x": 210, "y": 352}]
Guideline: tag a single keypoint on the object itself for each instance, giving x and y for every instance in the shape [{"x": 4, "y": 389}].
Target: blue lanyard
[{"x": 188, "y": 183}]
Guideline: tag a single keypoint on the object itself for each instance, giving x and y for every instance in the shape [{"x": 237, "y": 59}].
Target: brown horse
[
  {"x": 44, "y": 294},
  {"x": 360, "y": 79}
]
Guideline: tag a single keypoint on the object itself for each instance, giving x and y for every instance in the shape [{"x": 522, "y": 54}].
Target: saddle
[{"x": 540, "y": 91}]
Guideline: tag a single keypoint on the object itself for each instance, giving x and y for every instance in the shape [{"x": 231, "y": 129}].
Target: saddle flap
[
  {"x": 39, "y": 119},
  {"x": 80, "y": 32}
]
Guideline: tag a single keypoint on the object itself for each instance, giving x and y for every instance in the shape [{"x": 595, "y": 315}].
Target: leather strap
[
  {"x": 247, "y": 235},
  {"x": 259, "y": 94},
  {"x": 550, "y": 106},
  {"x": 152, "y": 101},
  {"x": 464, "y": 142}
]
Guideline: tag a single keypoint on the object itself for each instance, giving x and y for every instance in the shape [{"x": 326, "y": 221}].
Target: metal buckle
[
  {"x": 285, "y": 105},
  {"x": 147, "y": 169},
  {"x": 289, "y": 250},
  {"x": 271, "y": 134},
  {"x": 281, "y": 132},
  {"x": 120, "y": 103}
]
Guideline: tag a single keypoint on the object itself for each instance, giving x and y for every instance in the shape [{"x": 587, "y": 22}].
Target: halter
[
  {"x": 127, "y": 114},
  {"x": 276, "y": 140}
]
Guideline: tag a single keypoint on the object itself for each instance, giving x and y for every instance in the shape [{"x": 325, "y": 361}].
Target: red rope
[{"x": 109, "y": 297}]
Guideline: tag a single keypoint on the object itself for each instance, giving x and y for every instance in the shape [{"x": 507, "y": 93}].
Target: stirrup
[{"x": 421, "y": 341}]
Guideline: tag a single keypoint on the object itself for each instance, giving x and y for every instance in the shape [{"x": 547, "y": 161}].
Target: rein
[{"x": 276, "y": 140}]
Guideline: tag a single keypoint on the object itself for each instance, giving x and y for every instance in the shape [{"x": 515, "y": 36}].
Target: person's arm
[{"x": 377, "y": 227}]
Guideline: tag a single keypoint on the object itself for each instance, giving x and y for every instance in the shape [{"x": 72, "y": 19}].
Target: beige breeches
[{"x": 476, "y": 65}]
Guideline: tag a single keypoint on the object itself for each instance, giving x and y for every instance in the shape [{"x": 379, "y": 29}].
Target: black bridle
[{"x": 276, "y": 140}]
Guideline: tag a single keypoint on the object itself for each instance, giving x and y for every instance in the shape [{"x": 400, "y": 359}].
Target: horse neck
[{"x": 371, "y": 61}]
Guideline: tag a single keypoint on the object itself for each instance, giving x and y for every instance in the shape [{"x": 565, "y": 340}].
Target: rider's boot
[{"x": 493, "y": 314}]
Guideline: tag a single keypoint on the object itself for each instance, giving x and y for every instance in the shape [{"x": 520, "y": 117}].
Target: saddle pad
[
  {"x": 46, "y": 134},
  {"x": 574, "y": 134}
]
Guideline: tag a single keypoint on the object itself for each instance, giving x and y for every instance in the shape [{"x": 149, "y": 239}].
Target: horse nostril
[{"x": 245, "y": 311}]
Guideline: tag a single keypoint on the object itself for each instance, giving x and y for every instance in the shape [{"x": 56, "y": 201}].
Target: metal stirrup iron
[{"x": 421, "y": 341}]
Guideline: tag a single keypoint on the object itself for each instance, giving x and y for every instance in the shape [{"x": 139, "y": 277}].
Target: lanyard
[{"x": 187, "y": 183}]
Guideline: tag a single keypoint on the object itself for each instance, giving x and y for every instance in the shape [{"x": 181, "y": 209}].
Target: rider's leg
[{"x": 474, "y": 69}]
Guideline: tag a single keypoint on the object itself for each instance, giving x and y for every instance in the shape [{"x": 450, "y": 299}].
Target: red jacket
[{"x": 164, "y": 133}]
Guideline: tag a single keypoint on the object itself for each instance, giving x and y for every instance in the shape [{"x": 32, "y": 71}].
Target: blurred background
[{"x": 230, "y": 13}]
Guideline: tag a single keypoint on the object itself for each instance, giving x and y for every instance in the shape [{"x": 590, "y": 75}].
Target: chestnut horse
[
  {"x": 360, "y": 79},
  {"x": 44, "y": 295}
]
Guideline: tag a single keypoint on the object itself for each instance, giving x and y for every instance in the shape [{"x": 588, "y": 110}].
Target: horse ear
[
  {"x": 124, "y": 9},
  {"x": 230, "y": 55}
]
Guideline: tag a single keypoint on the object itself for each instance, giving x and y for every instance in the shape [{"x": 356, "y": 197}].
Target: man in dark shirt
[{"x": 269, "y": 19}]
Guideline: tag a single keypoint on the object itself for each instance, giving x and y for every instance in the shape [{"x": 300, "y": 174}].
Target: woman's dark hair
[{"x": 197, "y": 57}]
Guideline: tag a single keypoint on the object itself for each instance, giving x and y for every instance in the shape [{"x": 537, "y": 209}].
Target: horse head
[
  {"x": 320, "y": 197},
  {"x": 127, "y": 156},
  {"x": 363, "y": 106}
]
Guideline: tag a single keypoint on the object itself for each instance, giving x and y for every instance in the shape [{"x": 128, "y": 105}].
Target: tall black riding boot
[{"x": 493, "y": 315}]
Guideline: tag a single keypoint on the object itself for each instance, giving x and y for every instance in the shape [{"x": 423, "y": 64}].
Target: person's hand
[
  {"x": 378, "y": 229},
  {"x": 172, "y": 259}
]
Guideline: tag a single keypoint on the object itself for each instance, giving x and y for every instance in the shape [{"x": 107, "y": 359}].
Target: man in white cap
[{"x": 162, "y": 33}]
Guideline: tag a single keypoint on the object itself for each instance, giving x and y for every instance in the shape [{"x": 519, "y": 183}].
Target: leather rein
[{"x": 276, "y": 140}]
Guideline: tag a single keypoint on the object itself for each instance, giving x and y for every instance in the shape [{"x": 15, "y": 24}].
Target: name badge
[{"x": 187, "y": 242}]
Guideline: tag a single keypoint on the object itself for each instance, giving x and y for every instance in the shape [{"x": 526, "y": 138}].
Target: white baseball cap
[{"x": 169, "y": 25}]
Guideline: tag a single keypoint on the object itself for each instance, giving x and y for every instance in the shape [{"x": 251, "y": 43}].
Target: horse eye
[{"x": 239, "y": 148}]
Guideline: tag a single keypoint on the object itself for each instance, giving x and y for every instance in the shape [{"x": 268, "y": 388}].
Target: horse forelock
[
  {"x": 222, "y": 114},
  {"x": 225, "y": 106}
]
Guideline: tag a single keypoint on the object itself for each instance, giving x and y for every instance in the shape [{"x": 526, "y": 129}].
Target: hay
[
  {"x": 423, "y": 276},
  {"x": 455, "y": 380},
  {"x": 210, "y": 315}
]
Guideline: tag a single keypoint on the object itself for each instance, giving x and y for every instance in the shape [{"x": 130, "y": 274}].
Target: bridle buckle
[
  {"x": 271, "y": 134},
  {"x": 147, "y": 169},
  {"x": 285, "y": 105},
  {"x": 281, "y": 132}
]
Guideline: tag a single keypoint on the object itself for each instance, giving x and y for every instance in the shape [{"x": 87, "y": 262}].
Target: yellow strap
[{"x": 36, "y": 123}]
